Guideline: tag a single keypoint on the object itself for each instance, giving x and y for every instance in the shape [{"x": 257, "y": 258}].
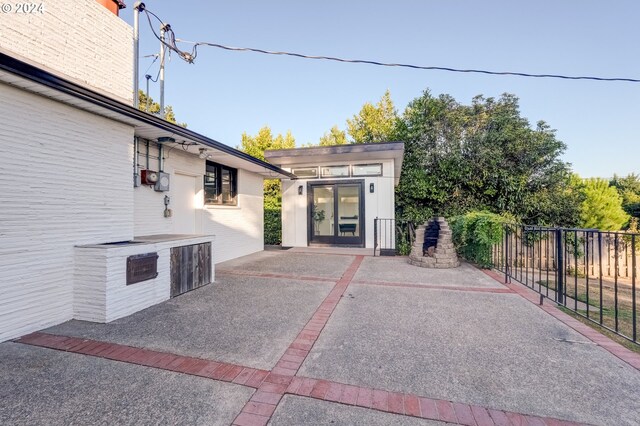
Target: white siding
[
  {"x": 79, "y": 39},
  {"x": 66, "y": 179},
  {"x": 238, "y": 229}
]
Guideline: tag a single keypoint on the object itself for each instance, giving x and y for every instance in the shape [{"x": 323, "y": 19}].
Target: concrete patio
[{"x": 287, "y": 338}]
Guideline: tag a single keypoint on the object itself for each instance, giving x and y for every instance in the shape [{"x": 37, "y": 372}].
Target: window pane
[
  {"x": 307, "y": 172},
  {"x": 322, "y": 210},
  {"x": 367, "y": 169},
  {"x": 210, "y": 187},
  {"x": 334, "y": 171},
  {"x": 226, "y": 185},
  {"x": 348, "y": 210}
]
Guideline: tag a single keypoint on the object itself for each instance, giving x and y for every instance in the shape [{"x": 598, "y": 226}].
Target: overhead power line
[{"x": 191, "y": 56}]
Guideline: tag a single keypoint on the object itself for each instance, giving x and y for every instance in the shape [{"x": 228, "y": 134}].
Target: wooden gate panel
[{"x": 190, "y": 267}]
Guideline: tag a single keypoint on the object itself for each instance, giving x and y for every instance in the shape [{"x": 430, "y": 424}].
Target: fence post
[
  {"x": 375, "y": 235},
  {"x": 560, "y": 267},
  {"x": 506, "y": 254}
]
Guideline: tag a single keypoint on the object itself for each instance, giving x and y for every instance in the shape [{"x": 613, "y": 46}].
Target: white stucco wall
[
  {"x": 379, "y": 204},
  {"x": 77, "y": 39},
  {"x": 238, "y": 229},
  {"x": 65, "y": 176}
]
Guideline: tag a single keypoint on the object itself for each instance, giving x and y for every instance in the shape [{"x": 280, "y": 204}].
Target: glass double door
[{"x": 336, "y": 213}]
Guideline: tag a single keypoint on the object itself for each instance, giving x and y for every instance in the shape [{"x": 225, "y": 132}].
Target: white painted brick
[
  {"x": 101, "y": 293},
  {"x": 79, "y": 39},
  {"x": 65, "y": 177}
]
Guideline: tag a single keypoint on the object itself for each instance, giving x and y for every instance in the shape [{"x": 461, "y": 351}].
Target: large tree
[
  {"x": 374, "y": 123},
  {"x": 482, "y": 156},
  {"x": 602, "y": 206},
  {"x": 255, "y": 146},
  {"x": 629, "y": 189}
]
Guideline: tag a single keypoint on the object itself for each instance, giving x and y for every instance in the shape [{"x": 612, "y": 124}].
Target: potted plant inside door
[{"x": 318, "y": 216}]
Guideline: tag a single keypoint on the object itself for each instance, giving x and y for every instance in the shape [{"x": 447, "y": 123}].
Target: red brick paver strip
[
  {"x": 417, "y": 406},
  {"x": 434, "y": 286},
  {"x": 626, "y": 355},
  {"x": 273, "y": 275},
  {"x": 225, "y": 372}
]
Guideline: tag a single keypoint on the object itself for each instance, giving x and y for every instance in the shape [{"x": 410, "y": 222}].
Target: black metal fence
[
  {"x": 392, "y": 236},
  {"x": 591, "y": 272}
]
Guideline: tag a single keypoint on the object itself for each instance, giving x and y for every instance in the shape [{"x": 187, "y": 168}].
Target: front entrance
[{"x": 336, "y": 213}]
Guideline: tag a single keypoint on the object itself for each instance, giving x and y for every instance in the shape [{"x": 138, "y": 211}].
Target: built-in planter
[{"x": 102, "y": 292}]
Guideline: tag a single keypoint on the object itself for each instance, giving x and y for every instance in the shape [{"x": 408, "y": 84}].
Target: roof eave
[{"x": 37, "y": 75}]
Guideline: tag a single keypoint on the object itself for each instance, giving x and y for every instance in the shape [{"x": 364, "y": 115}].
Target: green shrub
[
  {"x": 475, "y": 233},
  {"x": 405, "y": 235},
  {"x": 272, "y": 225}
]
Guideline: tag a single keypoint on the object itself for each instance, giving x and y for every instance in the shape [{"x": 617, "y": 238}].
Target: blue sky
[{"x": 226, "y": 93}]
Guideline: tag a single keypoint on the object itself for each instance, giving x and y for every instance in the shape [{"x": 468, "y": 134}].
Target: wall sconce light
[
  {"x": 204, "y": 155},
  {"x": 300, "y": 189},
  {"x": 371, "y": 188}
]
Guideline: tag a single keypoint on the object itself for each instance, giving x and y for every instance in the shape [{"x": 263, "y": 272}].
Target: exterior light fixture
[
  {"x": 166, "y": 139},
  {"x": 371, "y": 188},
  {"x": 300, "y": 189},
  {"x": 204, "y": 155}
]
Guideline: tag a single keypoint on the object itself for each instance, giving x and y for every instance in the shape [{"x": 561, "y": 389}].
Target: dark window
[{"x": 220, "y": 185}]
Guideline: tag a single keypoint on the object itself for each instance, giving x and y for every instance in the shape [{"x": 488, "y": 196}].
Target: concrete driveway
[{"x": 288, "y": 338}]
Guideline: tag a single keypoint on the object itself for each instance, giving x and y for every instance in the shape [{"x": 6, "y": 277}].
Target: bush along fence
[{"x": 590, "y": 272}]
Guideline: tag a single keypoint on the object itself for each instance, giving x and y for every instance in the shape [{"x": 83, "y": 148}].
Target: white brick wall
[
  {"x": 65, "y": 179},
  {"x": 79, "y": 39},
  {"x": 238, "y": 229},
  {"x": 101, "y": 293}
]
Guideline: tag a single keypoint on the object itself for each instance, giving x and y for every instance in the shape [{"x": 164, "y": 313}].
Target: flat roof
[
  {"x": 23, "y": 75},
  {"x": 294, "y": 155},
  {"x": 364, "y": 152}
]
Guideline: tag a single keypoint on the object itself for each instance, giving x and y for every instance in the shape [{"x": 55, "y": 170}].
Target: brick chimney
[{"x": 113, "y": 5}]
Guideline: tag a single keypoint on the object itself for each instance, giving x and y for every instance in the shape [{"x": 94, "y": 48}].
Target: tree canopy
[
  {"x": 602, "y": 206},
  {"x": 482, "y": 156},
  {"x": 333, "y": 137},
  {"x": 149, "y": 105},
  {"x": 629, "y": 189},
  {"x": 256, "y": 145},
  {"x": 374, "y": 123}
]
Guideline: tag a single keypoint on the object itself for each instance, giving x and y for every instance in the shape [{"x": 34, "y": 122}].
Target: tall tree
[
  {"x": 482, "y": 156},
  {"x": 149, "y": 105},
  {"x": 255, "y": 146},
  {"x": 374, "y": 123},
  {"x": 629, "y": 189},
  {"x": 602, "y": 206},
  {"x": 333, "y": 137}
]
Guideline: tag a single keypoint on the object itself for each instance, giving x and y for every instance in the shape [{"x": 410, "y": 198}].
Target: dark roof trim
[
  {"x": 35, "y": 74},
  {"x": 335, "y": 149}
]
